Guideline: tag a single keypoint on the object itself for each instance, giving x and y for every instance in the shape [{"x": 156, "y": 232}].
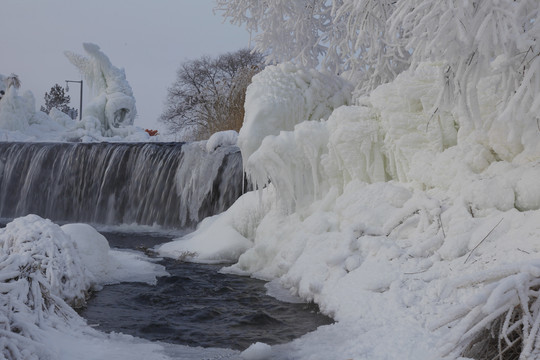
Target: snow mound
[
  {"x": 220, "y": 239},
  {"x": 111, "y": 266},
  {"x": 42, "y": 247},
  {"x": 221, "y": 138},
  {"x": 257, "y": 351},
  {"x": 40, "y": 269}
]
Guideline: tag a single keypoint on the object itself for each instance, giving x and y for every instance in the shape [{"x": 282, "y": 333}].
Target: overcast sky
[{"x": 148, "y": 38}]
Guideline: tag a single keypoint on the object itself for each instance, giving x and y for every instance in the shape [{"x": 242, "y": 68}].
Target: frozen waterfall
[{"x": 166, "y": 184}]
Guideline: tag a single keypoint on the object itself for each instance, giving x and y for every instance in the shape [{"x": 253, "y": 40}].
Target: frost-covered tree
[
  {"x": 341, "y": 36},
  {"x": 56, "y": 98},
  {"x": 208, "y": 94},
  {"x": 372, "y": 41},
  {"x": 474, "y": 38}
]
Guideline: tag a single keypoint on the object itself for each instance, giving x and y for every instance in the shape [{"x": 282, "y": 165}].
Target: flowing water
[
  {"x": 198, "y": 306},
  {"x": 165, "y": 184}
]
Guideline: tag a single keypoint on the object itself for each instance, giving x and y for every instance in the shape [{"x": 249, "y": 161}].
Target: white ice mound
[
  {"x": 40, "y": 269},
  {"x": 257, "y": 351},
  {"x": 282, "y": 96},
  {"x": 40, "y": 247},
  {"x": 113, "y": 104},
  {"x": 221, "y": 138},
  {"x": 221, "y": 239},
  {"x": 111, "y": 266}
]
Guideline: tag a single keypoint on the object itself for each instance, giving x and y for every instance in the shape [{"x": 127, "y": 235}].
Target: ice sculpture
[
  {"x": 17, "y": 112},
  {"x": 113, "y": 104}
]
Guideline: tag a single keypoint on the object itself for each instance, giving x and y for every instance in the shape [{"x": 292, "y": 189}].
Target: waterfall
[{"x": 166, "y": 184}]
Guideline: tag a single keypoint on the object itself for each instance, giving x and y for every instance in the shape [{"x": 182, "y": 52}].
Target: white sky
[{"x": 148, "y": 38}]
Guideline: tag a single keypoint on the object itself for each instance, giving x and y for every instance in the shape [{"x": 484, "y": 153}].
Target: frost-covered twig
[
  {"x": 485, "y": 237},
  {"x": 513, "y": 300}
]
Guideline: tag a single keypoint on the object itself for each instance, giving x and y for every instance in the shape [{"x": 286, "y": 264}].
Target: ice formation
[
  {"x": 413, "y": 227},
  {"x": 310, "y": 95},
  {"x": 113, "y": 104},
  {"x": 109, "y": 116},
  {"x": 221, "y": 138},
  {"x": 17, "y": 112}
]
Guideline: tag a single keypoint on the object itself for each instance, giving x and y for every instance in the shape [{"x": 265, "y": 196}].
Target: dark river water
[{"x": 197, "y": 306}]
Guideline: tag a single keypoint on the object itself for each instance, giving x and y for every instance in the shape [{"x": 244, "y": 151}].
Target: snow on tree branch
[{"x": 373, "y": 41}]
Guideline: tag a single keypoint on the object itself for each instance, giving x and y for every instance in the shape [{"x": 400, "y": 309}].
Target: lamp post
[{"x": 67, "y": 89}]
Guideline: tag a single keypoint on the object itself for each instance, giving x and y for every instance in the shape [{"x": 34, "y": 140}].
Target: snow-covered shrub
[
  {"x": 506, "y": 310},
  {"x": 50, "y": 252},
  {"x": 40, "y": 272}
]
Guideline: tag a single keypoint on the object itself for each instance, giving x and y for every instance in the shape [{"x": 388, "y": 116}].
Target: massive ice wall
[
  {"x": 396, "y": 133},
  {"x": 113, "y": 105}
]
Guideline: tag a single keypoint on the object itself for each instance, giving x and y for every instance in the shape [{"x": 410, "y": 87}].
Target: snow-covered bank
[
  {"x": 411, "y": 225},
  {"x": 43, "y": 267}
]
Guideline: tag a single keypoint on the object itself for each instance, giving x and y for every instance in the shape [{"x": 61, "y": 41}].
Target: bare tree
[{"x": 208, "y": 94}]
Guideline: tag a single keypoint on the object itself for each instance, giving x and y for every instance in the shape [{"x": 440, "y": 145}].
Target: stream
[{"x": 197, "y": 306}]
